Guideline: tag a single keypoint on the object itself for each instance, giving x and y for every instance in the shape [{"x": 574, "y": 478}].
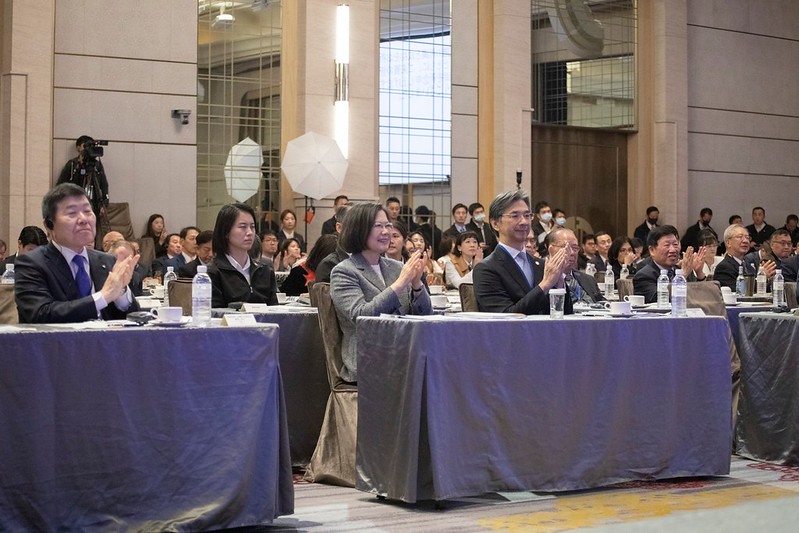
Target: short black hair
[
  {"x": 473, "y": 207},
  {"x": 558, "y": 210},
  {"x": 446, "y": 245},
  {"x": 615, "y": 248},
  {"x": 760, "y": 208},
  {"x": 266, "y": 232},
  {"x": 169, "y": 237},
  {"x": 32, "y": 235},
  {"x": 286, "y": 212},
  {"x": 284, "y": 245},
  {"x": 658, "y": 233},
  {"x": 225, "y": 220},
  {"x": 359, "y": 222},
  {"x": 541, "y": 205},
  {"x": 204, "y": 237},
  {"x": 599, "y": 234},
  {"x": 706, "y": 211},
  {"x": 504, "y": 200},
  {"x": 340, "y": 197},
  {"x": 587, "y": 237},
  {"x": 422, "y": 235},
  {"x": 57, "y": 194},
  {"x": 707, "y": 237},
  {"x": 458, "y": 206},
  {"x": 651, "y": 209},
  {"x": 462, "y": 237},
  {"x": 392, "y": 200},
  {"x": 83, "y": 139},
  {"x": 778, "y": 232},
  {"x": 733, "y": 217},
  {"x": 185, "y": 231},
  {"x": 792, "y": 217}
]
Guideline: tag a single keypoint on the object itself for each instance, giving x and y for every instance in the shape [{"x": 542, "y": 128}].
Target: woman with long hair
[
  {"x": 297, "y": 281},
  {"x": 156, "y": 230}
]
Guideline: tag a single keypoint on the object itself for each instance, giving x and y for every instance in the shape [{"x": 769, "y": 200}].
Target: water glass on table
[{"x": 557, "y": 301}]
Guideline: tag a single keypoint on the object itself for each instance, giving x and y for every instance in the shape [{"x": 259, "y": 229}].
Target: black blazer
[
  {"x": 500, "y": 287},
  {"x": 588, "y": 285},
  {"x": 487, "y": 235},
  {"x": 329, "y": 226},
  {"x": 726, "y": 272},
  {"x": 188, "y": 270},
  {"x": 229, "y": 285},
  {"x": 46, "y": 291},
  {"x": 645, "y": 281}
]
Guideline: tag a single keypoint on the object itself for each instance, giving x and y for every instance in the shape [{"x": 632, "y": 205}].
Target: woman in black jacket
[{"x": 234, "y": 276}]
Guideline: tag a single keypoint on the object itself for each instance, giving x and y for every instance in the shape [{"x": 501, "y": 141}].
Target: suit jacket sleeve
[
  {"x": 493, "y": 294},
  {"x": 726, "y": 274},
  {"x": 645, "y": 283},
  {"x": 348, "y": 296}
]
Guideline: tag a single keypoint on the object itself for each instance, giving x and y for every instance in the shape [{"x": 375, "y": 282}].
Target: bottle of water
[
  {"x": 610, "y": 283},
  {"x": 590, "y": 269},
  {"x": 778, "y": 289},
  {"x": 679, "y": 295},
  {"x": 8, "y": 275},
  {"x": 625, "y": 272},
  {"x": 201, "y": 298},
  {"x": 761, "y": 281},
  {"x": 169, "y": 276},
  {"x": 740, "y": 283},
  {"x": 663, "y": 289}
]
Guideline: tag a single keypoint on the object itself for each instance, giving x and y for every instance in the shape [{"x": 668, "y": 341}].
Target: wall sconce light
[
  {"x": 182, "y": 115},
  {"x": 342, "y": 62}
]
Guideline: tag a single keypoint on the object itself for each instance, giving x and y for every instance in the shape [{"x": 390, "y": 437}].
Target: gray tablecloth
[
  {"x": 142, "y": 429},
  {"x": 455, "y": 408},
  {"x": 302, "y": 365},
  {"x": 768, "y": 420},
  {"x": 733, "y": 312}
]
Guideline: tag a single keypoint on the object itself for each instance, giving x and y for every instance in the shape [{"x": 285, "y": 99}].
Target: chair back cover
[
  {"x": 180, "y": 294},
  {"x": 790, "y": 294},
  {"x": 331, "y": 335},
  {"x": 468, "y": 301},
  {"x": 8, "y": 305},
  {"x": 706, "y": 295},
  {"x": 625, "y": 287}
]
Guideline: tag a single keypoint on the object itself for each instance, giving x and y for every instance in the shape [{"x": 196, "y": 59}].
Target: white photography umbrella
[
  {"x": 243, "y": 169},
  {"x": 314, "y": 165}
]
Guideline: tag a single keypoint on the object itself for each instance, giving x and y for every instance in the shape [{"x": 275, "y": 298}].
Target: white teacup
[
  {"x": 439, "y": 300},
  {"x": 635, "y": 299},
  {"x": 170, "y": 315},
  {"x": 157, "y": 291},
  {"x": 282, "y": 298},
  {"x": 620, "y": 308},
  {"x": 436, "y": 289}
]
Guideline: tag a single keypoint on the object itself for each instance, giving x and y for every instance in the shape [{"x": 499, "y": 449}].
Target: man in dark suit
[
  {"x": 65, "y": 281},
  {"x": 664, "y": 248},
  {"x": 30, "y": 238},
  {"x": 205, "y": 253},
  {"x": 582, "y": 287},
  {"x": 329, "y": 225},
  {"x": 691, "y": 236},
  {"x": 188, "y": 249},
  {"x": 510, "y": 280},
  {"x": 736, "y": 241},
  {"x": 651, "y": 222},
  {"x": 603, "y": 244},
  {"x": 459, "y": 213},
  {"x": 759, "y": 230},
  {"x": 485, "y": 234},
  {"x": 780, "y": 244}
]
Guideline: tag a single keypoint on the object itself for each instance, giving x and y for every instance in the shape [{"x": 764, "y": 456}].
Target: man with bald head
[
  {"x": 582, "y": 287},
  {"x": 110, "y": 238}
]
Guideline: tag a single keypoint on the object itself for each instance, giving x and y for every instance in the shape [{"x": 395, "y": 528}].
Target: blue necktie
[{"x": 82, "y": 277}]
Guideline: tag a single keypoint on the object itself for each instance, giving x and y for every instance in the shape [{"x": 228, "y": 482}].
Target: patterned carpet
[{"x": 754, "y": 497}]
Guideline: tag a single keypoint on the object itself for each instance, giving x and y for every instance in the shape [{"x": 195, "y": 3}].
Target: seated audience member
[
  {"x": 792, "y": 227},
  {"x": 368, "y": 284},
  {"x": 664, "y": 247},
  {"x": 690, "y": 238},
  {"x": 581, "y": 287},
  {"x": 328, "y": 263},
  {"x": 156, "y": 230},
  {"x": 603, "y": 243},
  {"x": 173, "y": 250},
  {"x": 651, "y": 222},
  {"x": 268, "y": 247},
  {"x": 297, "y": 281},
  {"x": 434, "y": 274},
  {"x": 759, "y": 230},
  {"x": 205, "y": 255},
  {"x": 780, "y": 244},
  {"x": 396, "y": 248},
  {"x": 622, "y": 253},
  {"x": 445, "y": 250},
  {"x": 65, "y": 282},
  {"x": 466, "y": 254},
  {"x": 510, "y": 280},
  {"x": 531, "y": 244},
  {"x": 329, "y": 225},
  {"x": 587, "y": 252},
  {"x": 459, "y": 214},
  {"x": 478, "y": 224},
  {"x": 188, "y": 249},
  {"x": 121, "y": 250},
  {"x": 234, "y": 276},
  {"x": 289, "y": 255},
  {"x": 542, "y": 225},
  {"x": 640, "y": 251},
  {"x": 707, "y": 238},
  {"x": 30, "y": 238},
  {"x": 559, "y": 217},
  {"x": 427, "y": 227},
  {"x": 736, "y": 241},
  {"x": 288, "y": 225},
  {"x": 110, "y": 238}
]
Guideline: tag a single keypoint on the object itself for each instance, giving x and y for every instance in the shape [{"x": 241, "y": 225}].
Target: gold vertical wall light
[{"x": 342, "y": 62}]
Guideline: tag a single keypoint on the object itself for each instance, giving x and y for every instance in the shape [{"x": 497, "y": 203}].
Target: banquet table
[
  {"x": 451, "y": 406},
  {"x": 768, "y": 412},
  {"x": 302, "y": 366},
  {"x": 734, "y": 311},
  {"x": 141, "y": 428}
]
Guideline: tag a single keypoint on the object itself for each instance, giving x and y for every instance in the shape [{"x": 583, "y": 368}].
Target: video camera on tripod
[{"x": 93, "y": 149}]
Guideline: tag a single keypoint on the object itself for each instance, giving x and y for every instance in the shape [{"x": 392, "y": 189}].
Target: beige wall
[
  {"x": 119, "y": 82},
  {"x": 743, "y": 138}
]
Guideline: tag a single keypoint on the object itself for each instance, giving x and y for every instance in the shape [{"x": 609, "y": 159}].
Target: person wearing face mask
[
  {"x": 692, "y": 234},
  {"x": 560, "y": 217},
  {"x": 485, "y": 234},
  {"x": 544, "y": 226},
  {"x": 651, "y": 222}
]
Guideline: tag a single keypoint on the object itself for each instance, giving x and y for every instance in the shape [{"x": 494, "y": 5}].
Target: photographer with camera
[{"x": 86, "y": 171}]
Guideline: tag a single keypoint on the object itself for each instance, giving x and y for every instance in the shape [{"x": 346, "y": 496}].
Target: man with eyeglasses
[
  {"x": 780, "y": 244},
  {"x": 582, "y": 287},
  {"x": 664, "y": 248},
  {"x": 736, "y": 241},
  {"x": 510, "y": 280}
]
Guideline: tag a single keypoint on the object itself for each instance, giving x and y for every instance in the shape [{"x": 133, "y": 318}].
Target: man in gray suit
[
  {"x": 368, "y": 284},
  {"x": 65, "y": 281}
]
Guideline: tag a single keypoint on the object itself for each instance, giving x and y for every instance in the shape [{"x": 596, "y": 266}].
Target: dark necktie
[
  {"x": 82, "y": 277},
  {"x": 671, "y": 274}
]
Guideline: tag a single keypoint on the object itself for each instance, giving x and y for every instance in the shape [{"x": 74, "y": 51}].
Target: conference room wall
[
  {"x": 119, "y": 69},
  {"x": 743, "y": 123}
]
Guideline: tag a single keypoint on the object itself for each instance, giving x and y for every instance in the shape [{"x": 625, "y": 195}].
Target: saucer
[
  {"x": 160, "y": 324},
  {"x": 620, "y": 315}
]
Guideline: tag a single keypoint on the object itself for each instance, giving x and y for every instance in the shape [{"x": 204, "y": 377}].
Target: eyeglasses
[
  {"x": 781, "y": 243},
  {"x": 744, "y": 237},
  {"x": 387, "y": 226},
  {"x": 574, "y": 248},
  {"x": 516, "y": 215}
]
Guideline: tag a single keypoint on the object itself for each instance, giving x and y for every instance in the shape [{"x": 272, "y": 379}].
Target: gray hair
[
  {"x": 730, "y": 229},
  {"x": 556, "y": 234},
  {"x": 505, "y": 200}
]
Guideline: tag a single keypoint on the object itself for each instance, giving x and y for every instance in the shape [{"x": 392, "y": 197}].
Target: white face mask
[
  {"x": 546, "y": 217},
  {"x": 560, "y": 221},
  {"x": 479, "y": 217}
]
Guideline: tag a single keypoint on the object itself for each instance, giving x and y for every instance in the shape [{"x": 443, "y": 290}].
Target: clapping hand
[
  {"x": 553, "y": 268},
  {"x": 118, "y": 279},
  {"x": 769, "y": 267},
  {"x": 411, "y": 273},
  {"x": 693, "y": 261}
]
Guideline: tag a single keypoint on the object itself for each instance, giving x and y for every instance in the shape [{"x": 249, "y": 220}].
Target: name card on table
[
  {"x": 255, "y": 308},
  {"x": 239, "y": 320}
]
